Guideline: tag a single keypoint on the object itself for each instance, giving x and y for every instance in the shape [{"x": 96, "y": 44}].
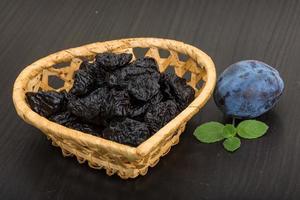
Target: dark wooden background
[{"x": 229, "y": 31}]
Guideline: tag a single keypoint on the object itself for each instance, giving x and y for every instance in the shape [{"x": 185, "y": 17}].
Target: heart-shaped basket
[{"x": 127, "y": 162}]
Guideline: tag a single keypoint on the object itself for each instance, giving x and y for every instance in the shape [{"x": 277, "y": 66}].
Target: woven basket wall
[{"x": 125, "y": 161}]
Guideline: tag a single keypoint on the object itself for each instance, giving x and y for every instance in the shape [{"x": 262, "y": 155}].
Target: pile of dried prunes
[{"x": 116, "y": 99}]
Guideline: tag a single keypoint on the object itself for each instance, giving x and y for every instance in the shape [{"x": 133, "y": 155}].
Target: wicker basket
[{"x": 126, "y": 161}]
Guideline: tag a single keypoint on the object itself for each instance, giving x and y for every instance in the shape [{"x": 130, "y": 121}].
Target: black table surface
[{"x": 229, "y": 31}]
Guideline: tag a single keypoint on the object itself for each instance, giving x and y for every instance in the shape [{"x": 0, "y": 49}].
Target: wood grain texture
[{"x": 229, "y": 31}]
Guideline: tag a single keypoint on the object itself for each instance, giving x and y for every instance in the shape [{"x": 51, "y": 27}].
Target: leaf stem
[{"x": 233, "y": 121}]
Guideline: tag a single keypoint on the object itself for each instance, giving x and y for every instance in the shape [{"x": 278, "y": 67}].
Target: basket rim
[{"x": 28, "y": 115}]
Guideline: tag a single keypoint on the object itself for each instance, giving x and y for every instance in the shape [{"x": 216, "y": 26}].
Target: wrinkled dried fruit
[
  {"x": 98, "y": 73},
  {"x": 83, "y": 83},
  {"x": 137, "y": 112},
  {"x": 133, "y": 70},
  {"x": 71, "y": 121},
  {"x": 143, "y": 88},
  {"x": 111, "y": 61},
  {"x": 146, "y": 62},
  {"x": 176, "y": 88},
  {"x": 118, "y": 104},
  {"x": 140, "y": 78},
  {"x": 116, "y": 99},
  {"x": 63, "y": 118},
  {"x": 86, "y": 128},
  {"x": 90, "y": 106},
  {"x": 128, "y": 131},
  {"x": 159, "y": 115},
  {"x": 157, "y": 98},
  {"x": 46, "y": 103},
  {"x": 88, "y": 67}
]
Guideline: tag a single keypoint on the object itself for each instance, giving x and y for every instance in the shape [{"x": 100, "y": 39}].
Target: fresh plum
[{"x": 247, "y": 89}]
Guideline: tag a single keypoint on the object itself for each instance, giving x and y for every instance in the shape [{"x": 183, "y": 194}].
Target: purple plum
[{"x": 247, "y": 89}]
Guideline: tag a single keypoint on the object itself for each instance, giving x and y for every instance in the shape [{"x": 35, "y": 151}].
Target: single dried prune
[
  {"x": 98, "y": 121},
  {"x": 101, "y": 77},
  {"x": 99, "y": 74},
  {"x": 128, "y": 131},
  {"x": 68, "y": 97},
  {"x": 176, "y": 87},
  {"x": 119, "y": 104},
  {"x": 90, "y": 106},
  {"x": 63, "y": 118},
  {"x": 157, "y": 98},
  {"x": 141, "y": 83},
  {"x": 141, "y": 78},
  {"x": 83, "y": 83},
  {"x": 100, "y": 104},
  {"x": 86, "y": 128},
  {"x": 143, "y": 66},
  {"x": 165, "y": 87},
  {"x": 139, "y": 67},
  {"x": 137, "y": 112},
  {"x": 71, "y": 121},
  {"x": 139, "y": 108},
  {"x": 111, "y": 61},
  {"x": 88, "y": 66},
  {"x": 160, "y": 114},
  {"x": 143, "y": 87},
  {"x": 120, "y": 78},
  {"x": 46, "y": 103},
  {"x": 146, "y": 62}
]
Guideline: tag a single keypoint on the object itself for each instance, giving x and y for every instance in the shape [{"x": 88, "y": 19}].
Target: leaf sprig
[{"x": 211, "y": 132}]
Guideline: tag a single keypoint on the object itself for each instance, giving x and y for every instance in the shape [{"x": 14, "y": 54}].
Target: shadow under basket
[{"x": 125, "y": 161}]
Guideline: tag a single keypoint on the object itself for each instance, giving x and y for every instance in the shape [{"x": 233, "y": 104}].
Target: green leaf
[
  {"x": 231, "y": 144},
  {"x": 209, "y": 132},
  {"x": 229, "y": 131},
  {"x": 250, "y": 129}
]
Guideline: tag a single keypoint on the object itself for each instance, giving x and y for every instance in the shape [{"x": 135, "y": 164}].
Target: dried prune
[
  {"x": 176, "y": 88},
  {"x": 137, "y": 112},
  {"x": 128, "y": 131},
  {"x": 165, "y": 87},
  {"x": 116, "y": 99},
  {"x": 160, "y": 114},
  {"x": 83, "y": 83},
  {"x": 111, "y": 61},
  {"x": 98, "y": 121},
  {"x": 46, "y": 103},
  {"x": 68, "y": 97},
  {"x": 140, "y": 82},
  {"x": 98, "y": 73},
  {"x": 146, "y": 62},
  {"x": 143, "y": 88},
  {"x": 101, "y": 104},
  {"x": 63, "y": 118},
  {"x": 71, "y": 121},
  {"x": 90, "y": 106},
  {"x": 139, "y": 108},
  {"x": 101, "y": 77},
  {"x": 157, "y": 98},
  {"x": 119, "y": 104},
  {"x": 86, "y": 128},
  {"x": 122, "y": 76},
  {"x": 88, "y": 66}
]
